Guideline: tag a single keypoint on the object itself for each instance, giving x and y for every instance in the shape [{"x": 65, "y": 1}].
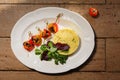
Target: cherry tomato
[
  {"x": 36, "y": 40},
  {"x": 93, "y": 12},
  {"x": 28, "y": 45},
  {"x": 53, "y": 27},
  {"x": 45, "y": 33}
]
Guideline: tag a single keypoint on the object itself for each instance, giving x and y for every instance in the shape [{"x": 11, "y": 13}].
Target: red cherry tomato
[
  {"x": 93, "y": 12},
  {"x": 36, "y": 40},
  {"x": 28, "y": 45},
  {"x": 53, "y": 27},
  {"x": 45, "y": 33}
]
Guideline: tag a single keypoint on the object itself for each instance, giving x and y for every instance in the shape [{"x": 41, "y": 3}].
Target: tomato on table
[{"x": 93, "y": 12}]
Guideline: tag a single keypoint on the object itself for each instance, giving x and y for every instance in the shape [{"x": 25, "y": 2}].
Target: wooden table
[{"x": 104, "y": 64}]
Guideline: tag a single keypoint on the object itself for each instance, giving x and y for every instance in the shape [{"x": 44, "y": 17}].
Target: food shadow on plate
[
  {"x": 78, "y": 69},
  {"x": 90, "y": 58}
]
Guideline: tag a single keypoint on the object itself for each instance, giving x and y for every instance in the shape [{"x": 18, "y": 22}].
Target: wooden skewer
[
  {"x": 38, "y": 29},
  {"x": 58, "y": 17},
  {"x": 46, "y": 21},
  {"x": 30, "y": 34}
]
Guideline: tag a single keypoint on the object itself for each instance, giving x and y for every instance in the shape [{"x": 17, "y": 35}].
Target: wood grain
[
  {"x": 10, "y": 75},
  {"x": 9, "y": 15},
  {"x": 103, "y": 64},
  {"x": 53, "y": 1},
  {"x": 8, "y": 60},
  {"x": 106, "y": 25},
  {"x": 113, "y": 1},
  {"x": 97, "y": 60},
  {"x": 113, "y": 54}
]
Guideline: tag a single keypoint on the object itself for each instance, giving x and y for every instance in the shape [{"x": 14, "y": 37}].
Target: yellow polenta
[{"x": 69, "y": 37}]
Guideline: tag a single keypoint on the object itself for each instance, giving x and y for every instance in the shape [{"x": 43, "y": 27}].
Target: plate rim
[{"x": 55, "y": 8}]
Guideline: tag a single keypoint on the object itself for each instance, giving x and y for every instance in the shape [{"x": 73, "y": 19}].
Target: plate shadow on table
[{"x": 78, "y": 69}]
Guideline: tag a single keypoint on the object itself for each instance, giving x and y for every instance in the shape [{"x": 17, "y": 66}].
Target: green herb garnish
[{"x": 49, "y": 51}]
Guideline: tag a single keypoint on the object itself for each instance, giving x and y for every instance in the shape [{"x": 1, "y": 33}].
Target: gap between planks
[{"x": 52, "y": 3}]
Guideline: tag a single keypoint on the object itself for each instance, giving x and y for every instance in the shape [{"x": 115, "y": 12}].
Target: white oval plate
[{"x": 34, "y": 19}]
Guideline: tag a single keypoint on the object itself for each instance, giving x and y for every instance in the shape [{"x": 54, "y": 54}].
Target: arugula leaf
[
  {"x": 50, "y": 44},
  {"x": 56, "y": 61},
  {"x": 49, "y": 51},
  {"x": 38, "y": 51},
  {"x": 59, "y": 58},
  {"x": 53, "y": 49},
  {"x": 44, "y": 47}
]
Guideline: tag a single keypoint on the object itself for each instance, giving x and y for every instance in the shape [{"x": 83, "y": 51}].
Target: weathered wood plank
[
  {"x": 9, "y": 62},
  {"x": 68, "y": 76},
  {"x": 113, "y": 1},
  {"x": 106, "y": 25},
  {"x": 7, "y": 59},
  {"x": 97, "y": 60},
  {"x": 10, "y": 14},
  {"x": 113, "y": 54},
  {"x": 52, "y": 1}
]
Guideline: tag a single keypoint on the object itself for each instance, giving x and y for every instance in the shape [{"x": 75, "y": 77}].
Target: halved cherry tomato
[
  {"x": 45, "y": 33},
  {"x": 53, "y": 27},
  {"x": 28, "y": 45},
  {"x": 36, "y": 40},
  {"x": 93, "y": 12}
]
